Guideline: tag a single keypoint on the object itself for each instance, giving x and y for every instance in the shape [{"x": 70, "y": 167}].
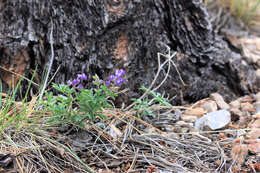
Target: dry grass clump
[
  {"x": 247, "y": 10},
  {"x": 95, "y": 149},
  {"x": 26, "y": 151}
]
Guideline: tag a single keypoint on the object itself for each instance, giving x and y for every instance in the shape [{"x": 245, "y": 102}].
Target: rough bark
[{"x": 99, "y": 36}]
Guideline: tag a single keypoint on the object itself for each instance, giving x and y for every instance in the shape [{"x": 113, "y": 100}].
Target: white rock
[
  {"x": 214, "y": 120},
  {"x": 257, "y": 107}
]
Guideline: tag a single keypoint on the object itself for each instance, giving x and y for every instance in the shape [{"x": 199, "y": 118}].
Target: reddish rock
[
  {"x": 220, "y": 101},
  {"x": 196, "y": 111},
  {"x": 247, "y": 107}
]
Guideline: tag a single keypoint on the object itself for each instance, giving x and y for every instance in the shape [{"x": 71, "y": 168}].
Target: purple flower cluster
[
  {"x": 77, "y": 82},
  {"x": 116, "y": 78}
]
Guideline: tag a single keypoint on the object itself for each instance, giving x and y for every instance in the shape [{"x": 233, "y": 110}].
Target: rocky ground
[{"x": 211, "y": 135}]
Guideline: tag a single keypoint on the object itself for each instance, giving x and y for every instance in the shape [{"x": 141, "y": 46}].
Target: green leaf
[
  {"x": 64, "y": 89},
  {"x": 157, "y": 96}
]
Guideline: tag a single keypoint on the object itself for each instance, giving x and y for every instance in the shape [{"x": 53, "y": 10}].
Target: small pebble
[
  {"x": 257, "y": 72},
  {"x": 189, "y": 118},
  {"x": 220, "y": 101},
  {"x": 236, "y": 113},
  {"x": 257, "y": 107},
  {"x": 257, "y": 97},
  {"x": 247, "y": 107},
  {"x": 210, "y": 106},
  {"x": 184, "y": 124},
  {"x": 235, "y": 104}
]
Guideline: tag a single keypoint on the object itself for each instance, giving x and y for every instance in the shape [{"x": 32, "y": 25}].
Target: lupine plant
[{"x": 74, "y": 103}]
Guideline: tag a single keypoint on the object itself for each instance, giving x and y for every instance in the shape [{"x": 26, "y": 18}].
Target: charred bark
[{"x": 97, "y": 37}]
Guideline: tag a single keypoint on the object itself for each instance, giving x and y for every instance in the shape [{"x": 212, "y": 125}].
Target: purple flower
[
  {"x": 107, "y": 83},
  {"x": 111, "y": 77},
  {"x": 119, "y": 81},
  {"x": 120, "y": 73},
  {"x": 80, "y": 86},
  {"x": 75, "y": 82},
  {"x": 82, "y": 76},
  {"x": 69, "y": 82}
]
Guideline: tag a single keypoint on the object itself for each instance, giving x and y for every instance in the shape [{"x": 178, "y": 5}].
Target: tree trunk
[{"x": 99, "y": 36}]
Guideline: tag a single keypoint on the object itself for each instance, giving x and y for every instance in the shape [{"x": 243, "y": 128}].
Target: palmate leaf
[
  {"x": 157, "y": 96},
  {"x": 142, "y": 106},
  {"x": 64, "y": 89}
]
